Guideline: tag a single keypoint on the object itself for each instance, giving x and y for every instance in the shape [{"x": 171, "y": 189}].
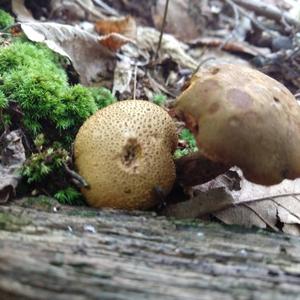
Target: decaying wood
[{"x": 87, "y": 254}]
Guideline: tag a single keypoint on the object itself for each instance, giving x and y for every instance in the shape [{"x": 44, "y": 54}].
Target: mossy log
[{"x": 80, "y": 253}]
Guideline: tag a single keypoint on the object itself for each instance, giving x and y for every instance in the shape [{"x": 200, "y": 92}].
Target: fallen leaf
[
  {"x": 147, "y": 41},
  {"x": 125, "y": 26},
  {"x": 234, "y": 200},
  {"x": 240, "y": 215},
  {"x": 122, "y": 76},
  {"x": 11, "y": 160},
  {"x": 91, "y": 56},
  {"x": 139, "y": 54},
  {"x": 114, "y": 41}
]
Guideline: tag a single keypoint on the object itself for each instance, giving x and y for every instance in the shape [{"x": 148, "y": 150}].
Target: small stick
[
  {"x": 134, "y": 82},
  {"x": 162, "y": 28},
  {"x": 80, "y": 182}
]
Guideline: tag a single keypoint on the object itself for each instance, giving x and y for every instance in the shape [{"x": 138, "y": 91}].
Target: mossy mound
[
  {"x": 32, "y": 77},
  {"x": 6, "y": 20},
  {"x": 36, "y": 96}
]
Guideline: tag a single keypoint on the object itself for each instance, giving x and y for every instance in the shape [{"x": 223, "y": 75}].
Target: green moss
[
  {"x": 69, "y": 195},
  {"x": 159, "y": 99},
  {"x": 51, "y": 112},
  {"x": 191, "y": 144},
  {"x": 26, "y": 54},
  {"x": 102, "y": 97},
  {"x": 3, "y": 100},
  {"x": 6, "y": 20},
  {"x": 39, "y": 165},
  {"x": 32, "y": 76}
]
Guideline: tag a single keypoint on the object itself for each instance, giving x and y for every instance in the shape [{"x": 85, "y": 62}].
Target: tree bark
[{"x": 81, "y": 253}]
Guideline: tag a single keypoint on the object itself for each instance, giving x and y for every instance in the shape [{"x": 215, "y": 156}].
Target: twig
[
  {"x": 134, "y": 82},
  {"x": 202, "y": 63},
  {"x": 162, "y": 29},
  {"x": 267, "y": 10}
]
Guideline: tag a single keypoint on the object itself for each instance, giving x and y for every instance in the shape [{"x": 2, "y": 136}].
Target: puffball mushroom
[
  {"x": 124, "y": 152},
  {"x": 243, "y": 117}
]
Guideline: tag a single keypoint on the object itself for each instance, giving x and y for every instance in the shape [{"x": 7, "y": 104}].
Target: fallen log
[{"x": 47, "y": 252}]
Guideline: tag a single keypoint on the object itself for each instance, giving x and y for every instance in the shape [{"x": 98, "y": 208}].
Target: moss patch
[
  {"x": 6, "y": 20},
  {"x": 36, "y": 96}
]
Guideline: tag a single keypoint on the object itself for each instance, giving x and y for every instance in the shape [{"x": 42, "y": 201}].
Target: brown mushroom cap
[
  {"x": 124, "y": 152},
  {"x": 243, "y": 117}
]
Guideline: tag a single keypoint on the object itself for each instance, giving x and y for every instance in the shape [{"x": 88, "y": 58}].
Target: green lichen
[{"x": 6, "y": 20}]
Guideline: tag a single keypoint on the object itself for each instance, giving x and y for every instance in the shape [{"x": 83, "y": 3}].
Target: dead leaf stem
[{"x": 162, "y": 29}]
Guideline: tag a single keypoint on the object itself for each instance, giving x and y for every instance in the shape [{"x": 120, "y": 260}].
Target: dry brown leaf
[
  {"x": 91, "y": 57},
  {"x": 11, "y": 160},
  {"x": 114, "y": 41},
  {"x": 125, "y": 26},
  {"x": 236, "y": 200}
]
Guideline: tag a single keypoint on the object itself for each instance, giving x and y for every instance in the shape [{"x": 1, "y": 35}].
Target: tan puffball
[
  {"x": 243, "y": 117},
  {"x": 124, "y": 152}
]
